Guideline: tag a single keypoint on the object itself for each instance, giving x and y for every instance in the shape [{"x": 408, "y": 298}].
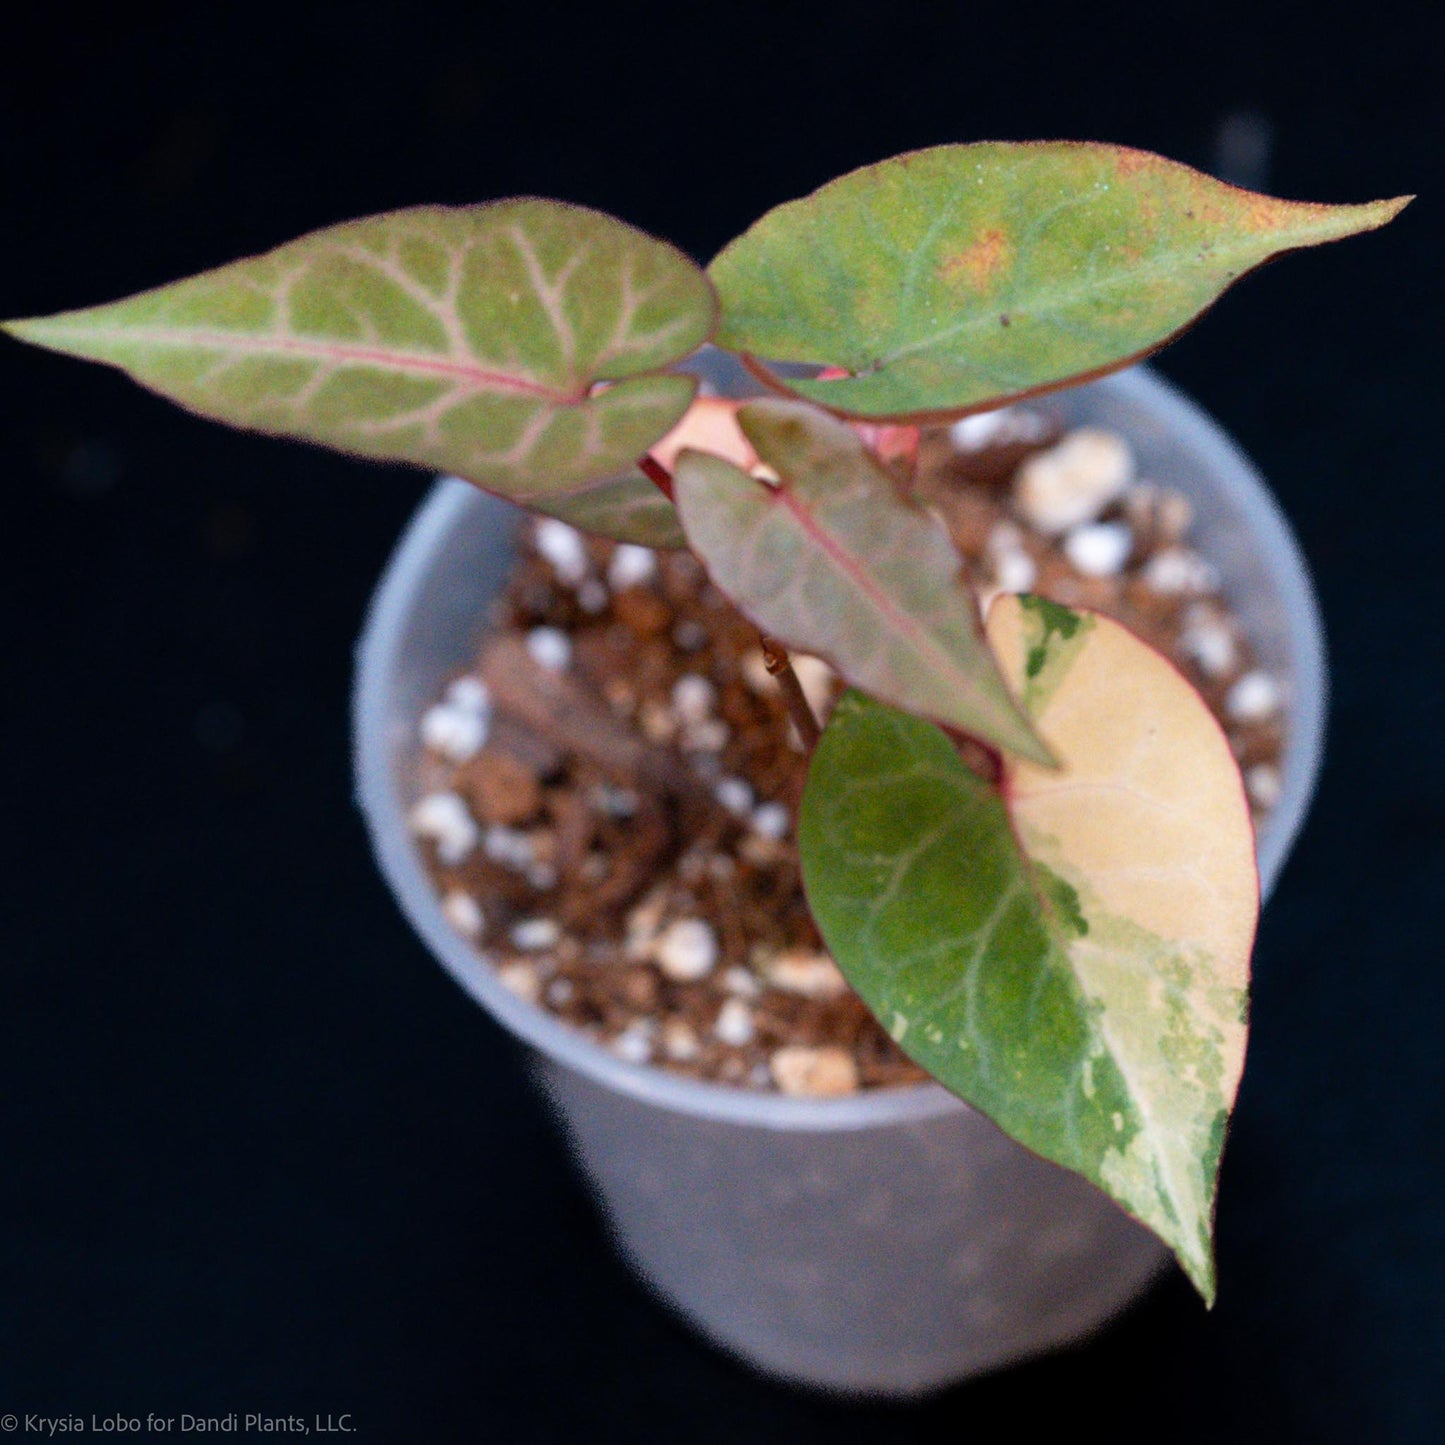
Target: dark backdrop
[{"x": 256, "y": 1152}]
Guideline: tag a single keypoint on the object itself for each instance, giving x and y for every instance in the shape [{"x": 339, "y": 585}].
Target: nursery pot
[{"x": 885, "y": 1243}]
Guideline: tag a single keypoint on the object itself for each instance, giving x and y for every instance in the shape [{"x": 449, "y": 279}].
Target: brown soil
[{"x": 630, "y": 865}]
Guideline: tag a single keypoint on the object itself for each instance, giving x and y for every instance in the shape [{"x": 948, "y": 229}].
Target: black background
[{"x": 256, "y": 1152}]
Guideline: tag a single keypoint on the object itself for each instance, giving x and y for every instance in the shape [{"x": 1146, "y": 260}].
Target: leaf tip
[
  {"x": 42, "y": 331},
  {"x": 1390, "y": 209},
  {"x": 23, "y": 328},
  {"x": 1202, "y": 1276},
  {"x": 1338, "y": 222}
]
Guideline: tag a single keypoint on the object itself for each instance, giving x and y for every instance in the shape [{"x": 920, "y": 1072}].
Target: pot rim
[{"x": 379, "y": 797}]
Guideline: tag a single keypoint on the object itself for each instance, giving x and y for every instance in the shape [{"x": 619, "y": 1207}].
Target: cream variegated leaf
[
  {"x": 833, "y": 561},
  {"x": 1069, "y": 952},
  {"x": 521, "y": 345}
]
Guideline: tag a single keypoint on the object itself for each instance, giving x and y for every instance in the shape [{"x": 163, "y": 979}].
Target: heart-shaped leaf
[
  {"x": 518, "y": 344},
  {"x": 1069, "y": 952},
  {"x": 951, "y": 279},
  {"x": 833, "y": 561}
]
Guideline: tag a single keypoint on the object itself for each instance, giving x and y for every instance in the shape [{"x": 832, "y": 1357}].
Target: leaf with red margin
[
  {"x": 834, "y": 562},
  {"x": 948, "y": 280},
  {"x": 521, "y": 344}
]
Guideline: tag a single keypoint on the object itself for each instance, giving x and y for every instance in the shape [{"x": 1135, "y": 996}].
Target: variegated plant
[{"x": 1026, "y": 846}]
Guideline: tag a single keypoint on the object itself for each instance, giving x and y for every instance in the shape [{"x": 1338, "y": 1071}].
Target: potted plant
[{"x": 1026, "y": 845}]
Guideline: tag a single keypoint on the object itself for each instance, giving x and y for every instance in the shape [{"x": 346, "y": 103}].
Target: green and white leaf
[
  {"x": 960, "y": 277},
  {"x": 1068, "y": 953},
  {"x": 521, "y": 345},
  {"x": 833, "y": 561}
]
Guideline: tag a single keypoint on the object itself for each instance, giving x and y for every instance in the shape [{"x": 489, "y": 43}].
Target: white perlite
[
  {"x": 1210, "y": 642},
  {"x": 1003, "y": 427},
  {"x": 520, "y": 978},
  {"x": 814, "y": 1073},
  {"x": 535, "y": 934},
  {"x": 644, "y": 923},
  {"x": 631, "y": 566},
  {"x": 443, "y": 817},
  {"x": 470, "y": 694},
  {"x": 1074, "y": 481},
  {"x": 813, "y": 975},
  {"x": 457, "y": 733},
  {"x": 686, "y": 950},
  {"x": 564, "y": 548},
  {"x": 770, "y": 821},
  {"x": 550, "y": 648},
  {"x": 1176, "y": 571},
  {"x": 1099, "y": 549},
  {"x": 1014, "y": 570},
  {"x": 1264, "y": 785},
  {"x": 1165, "y": 514},
  {"x": 510, "y": 847},
  {"x": 1254, "y": 698},
  {"x": 735, "y": 795},
  {"x": 634, "y": 1044},
  {"x": 679, "y": 1041},
  {"x": 734, "y": 1023},
  {"x": 464, "y": 913},
  {"x": 741, "y": 982},
  {"x": 693, "y": 699}
]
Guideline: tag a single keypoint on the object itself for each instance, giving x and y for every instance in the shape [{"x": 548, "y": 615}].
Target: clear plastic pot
[{"x": 892, "y": 1242}]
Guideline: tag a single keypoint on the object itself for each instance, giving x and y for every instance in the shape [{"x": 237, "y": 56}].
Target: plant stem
[
  {"x": 656, "y": 473},
  {"x": 775, "y": 657}
]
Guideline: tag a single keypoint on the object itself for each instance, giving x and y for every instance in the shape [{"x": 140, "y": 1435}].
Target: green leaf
[
  {"x": 518, "y": 344},
  {"x": 834, "y": 561},
  {"x": 1069, "y": 953},
  {"x": 951, "y": 279},
  {"x": 627, "y": 508}
]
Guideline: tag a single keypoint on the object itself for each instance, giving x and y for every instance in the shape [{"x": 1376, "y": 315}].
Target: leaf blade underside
[{"x": 833, "y": 561}]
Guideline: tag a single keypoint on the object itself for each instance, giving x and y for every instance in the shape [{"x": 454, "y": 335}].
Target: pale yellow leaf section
[
  {"x": 1147, "y": 820},
  {"x": 1148, "y": 806},
  {"x": 710, "y": 424}
]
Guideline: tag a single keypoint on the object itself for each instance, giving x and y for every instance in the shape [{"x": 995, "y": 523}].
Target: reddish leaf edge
[
  {"x": 15, "y": 328},
  {"x": 1047, "y": 759},
  {"x": 759, "y": 370}
]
